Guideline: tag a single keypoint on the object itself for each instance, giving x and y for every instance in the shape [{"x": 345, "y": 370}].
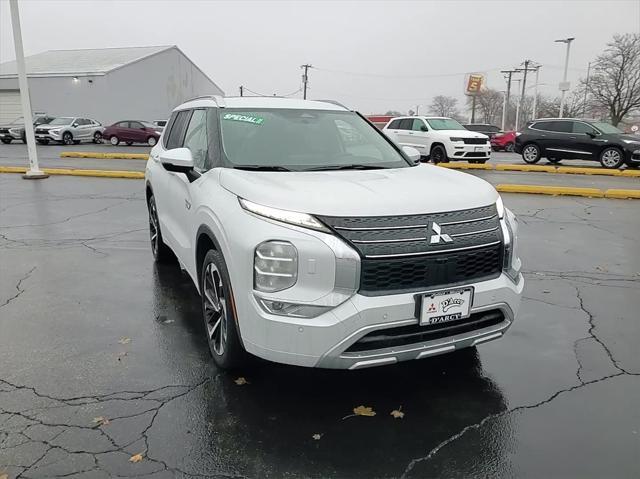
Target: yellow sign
[{"x": 474, "y": 83}]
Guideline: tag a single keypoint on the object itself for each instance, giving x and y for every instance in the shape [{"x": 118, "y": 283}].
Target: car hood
[
  {"x": 399, "y": 191},
  {"x": 462, "y": 133},
  {"x": 50, "y": 127}
]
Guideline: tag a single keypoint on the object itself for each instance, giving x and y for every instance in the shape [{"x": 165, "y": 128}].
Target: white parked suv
[
  {"x": 314, "y": 240},
  {"x": 440, "y": 139}
]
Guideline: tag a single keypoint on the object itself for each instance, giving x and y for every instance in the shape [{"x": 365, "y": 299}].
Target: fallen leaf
[
  {"x": 397, "y": 413},
  {"x": 241, "y": 381},
  {"x": 315, "y": 436},
  {"x": 136, "y": 458},
  {"x": 363, "y": 411},
  {"x": 124, "y": 340},
  {"x": 100, "y": 421}
]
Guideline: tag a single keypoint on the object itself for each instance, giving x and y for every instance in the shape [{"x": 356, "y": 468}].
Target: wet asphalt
[{"x": 103, "y": 357}]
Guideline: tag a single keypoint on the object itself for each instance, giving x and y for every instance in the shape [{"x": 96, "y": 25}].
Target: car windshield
[
  {"x": 61, "y": 121},
  {"x": 445, "y": 124},
  {"x": 148, "y": 124},
  {"x": 605, "y": 127},
  {"x": 299, "y": 139}
]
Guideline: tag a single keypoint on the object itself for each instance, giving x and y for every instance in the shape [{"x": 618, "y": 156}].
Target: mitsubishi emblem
[{"x": 435, "y": 227}]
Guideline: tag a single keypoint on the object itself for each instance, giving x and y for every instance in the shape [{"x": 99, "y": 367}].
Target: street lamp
[{"x": 564, "y": 86}]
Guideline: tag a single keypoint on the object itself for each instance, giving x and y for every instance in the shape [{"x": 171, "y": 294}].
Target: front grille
[
  {"x": 413, "y": 252},
  {"x": 4, "y": 131},
  {"x": 476, "y": 154},
  {"x": 41, "y": 131},
  {"x": 396, "y": 275},
  {"x": 476, "y": 141},
  {"x": 406, "y": 335}
]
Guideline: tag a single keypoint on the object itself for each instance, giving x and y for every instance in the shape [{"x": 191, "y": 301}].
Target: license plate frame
[
  {"x": 433, "y": 311},
  {"x": 478, "y": 148}
]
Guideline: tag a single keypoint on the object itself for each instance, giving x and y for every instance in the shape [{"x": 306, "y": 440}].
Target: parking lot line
[
  {"x": 134, "y": 175},
  {"x": 104, "y": 156}
]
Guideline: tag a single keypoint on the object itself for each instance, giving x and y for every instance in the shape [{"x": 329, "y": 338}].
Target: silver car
[{"x": 70, "y": 130}]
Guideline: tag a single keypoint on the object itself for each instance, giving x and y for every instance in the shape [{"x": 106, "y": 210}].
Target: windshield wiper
[
  {"x": 346, "y": 167},
  {"x": 261, "y": 168}
]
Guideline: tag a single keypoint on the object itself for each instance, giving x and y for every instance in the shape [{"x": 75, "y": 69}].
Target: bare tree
[
  {"x": 444, "y": 106},
  {"x": 489, "y": 103},
  {"x": 615, "y": 83},
  {"x": 574, "y": 106}
]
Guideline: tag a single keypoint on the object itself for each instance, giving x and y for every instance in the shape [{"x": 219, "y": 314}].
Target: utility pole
[
  {"x": 34, "y": 172},
  {"x": 564, "y": 86},
  {"x": 505, "y": 112},
  {"x": 535, "y": 93},
  {"x": 517, "y": 106},
  {"x": 241, "y": 90},
  {"x": 305, "y": 78},
  {"x": 586, "y": 90},
  {"x": 524, "y": 85},
  {"x": 417, "y": 109},
  {"x": 504, "y": 108}
]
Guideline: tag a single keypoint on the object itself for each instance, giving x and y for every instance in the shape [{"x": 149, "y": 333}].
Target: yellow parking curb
[
  {"x": 134, "y": 175},
  {"x": 552, "y": 190},
  {"x": 104, "y": 156},
  {"x": 622, "y": 194},
  {"x": 573, "y": 170}
]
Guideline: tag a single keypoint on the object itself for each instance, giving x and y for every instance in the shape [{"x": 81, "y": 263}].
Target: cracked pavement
[{"x": 102, "y": 356}]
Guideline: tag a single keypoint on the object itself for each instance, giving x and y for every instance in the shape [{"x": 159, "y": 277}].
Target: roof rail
[
  {"x": 219, "y": 101},
  {"x": 334, "y": 102}
]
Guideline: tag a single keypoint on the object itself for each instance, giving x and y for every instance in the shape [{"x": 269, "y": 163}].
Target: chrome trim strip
[
  {"x": 486, "y": 338},
  {"x": 381, "y": 228},
  {"x": 426, "y": 253},
  {"x": 467, "y": 221},
  {"x": 403, "y": 240},
  {"x": 373, "y": 362},
  {"x": 430, "y": 352},
  {"x": 569, "y": 151},
  {"x": 474, "y": 232}
]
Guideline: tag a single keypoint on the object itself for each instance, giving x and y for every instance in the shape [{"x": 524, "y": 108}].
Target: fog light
[
  {"x": 275, "y": 266},
  {"x": 294, "y": 310}
]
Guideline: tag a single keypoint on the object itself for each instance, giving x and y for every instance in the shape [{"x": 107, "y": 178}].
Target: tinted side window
[
  {"x": 418, "y": 124},
  {"x": 176, "y": 135},
  {"x": 561, "y": 126},
  {"x": 196, "y": 138},
  {"x": 473, "y": 127},
  {"x": 579, "y": 127},
  {"x": 542, "y": 125},
  {"x": 135, "y": 124},
  {"x": 406, "y": 124},
  {"x": 394, "y": 125}
]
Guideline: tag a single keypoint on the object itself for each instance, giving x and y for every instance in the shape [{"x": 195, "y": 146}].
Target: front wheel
[
  {"x": 611, "y": 158},
  {"x": 97, "y": 137},
  {"x": 114, "y": 140},
  {"x": 161, "y": 252},
  {"x": 531, "y": 154},
  {"x": 218, "y": 313},
  {"x": 151, "y": 141},
  {"x": 439, "y": 155},
  {"x": 6, "y": 141},
  {"x": 67, "y": 138}
]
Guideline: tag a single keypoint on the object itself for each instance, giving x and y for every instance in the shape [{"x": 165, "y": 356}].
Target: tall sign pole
[
  {"x": 305, "y": 79},
  {"x": 34, "y": 171},
  {"x": 564, "y": 85},
  {"x": 473, "y": 86}
]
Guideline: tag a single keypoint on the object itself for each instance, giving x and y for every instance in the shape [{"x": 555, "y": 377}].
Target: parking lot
[{"x": 103, "y": 356}]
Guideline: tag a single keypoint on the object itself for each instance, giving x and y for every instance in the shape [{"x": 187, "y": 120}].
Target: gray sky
[{"x": 397, "y": 54}]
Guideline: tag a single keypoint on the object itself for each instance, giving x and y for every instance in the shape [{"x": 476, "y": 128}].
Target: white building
[{"x": 107, "y": 84}]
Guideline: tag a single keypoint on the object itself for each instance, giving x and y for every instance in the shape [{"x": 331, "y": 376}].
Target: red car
[
  {"x": 504, "y": 141},
  {"x": 132, "y": 131}
]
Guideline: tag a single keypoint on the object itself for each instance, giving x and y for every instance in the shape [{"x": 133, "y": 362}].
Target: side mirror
[
  {"x": 74, "y": 125},
  {"x": 424, "y": 128},
  {"x": 591, "y": 134},
  {"x": 412, "y": 153},
  {"x": 178, "y": 160}
]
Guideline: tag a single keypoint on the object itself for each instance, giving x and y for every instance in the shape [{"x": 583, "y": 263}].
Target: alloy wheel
[
  {"x": 67, "y": 139},
  {"x": 151, "y": 141},
  {"x": 215, "y": 309},
  {"x": 530, "y": 154},
  {"x": 611, "y": 158},
  {"x": 153, "y": 227}
]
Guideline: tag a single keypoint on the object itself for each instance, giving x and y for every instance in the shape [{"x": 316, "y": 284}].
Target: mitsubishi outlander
[{"x": 315, "y": 240}]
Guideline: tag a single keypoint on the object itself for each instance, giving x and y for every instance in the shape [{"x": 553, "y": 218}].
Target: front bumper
[
  {"x": 633, "y": 157},
  {"x": 326, "y": 341},
  {"x": 10, "y": 134},
  {"x": 463, "y": 151},
  {"x": 49, "y": 136}
]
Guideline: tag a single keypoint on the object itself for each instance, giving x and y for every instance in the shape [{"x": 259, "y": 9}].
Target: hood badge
[{"x": 435, "y": 227}]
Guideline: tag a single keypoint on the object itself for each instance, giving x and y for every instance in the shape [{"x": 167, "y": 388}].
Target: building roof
[{"x": 96, "y": 61}]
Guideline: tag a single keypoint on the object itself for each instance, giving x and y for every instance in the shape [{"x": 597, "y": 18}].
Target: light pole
[
  {"x": 34, "y": 171},
  {"x": 535, "y": 94},
  {"x": 564, "y": 86},
  {"x": 518, "y": 106},
  {"x": 504, "y": 109}
]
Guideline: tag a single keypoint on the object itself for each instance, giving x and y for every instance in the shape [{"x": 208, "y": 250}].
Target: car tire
[
  {"x": 23, "y": 138},
  {"x": 151, "y": 141},
  {"x": 76, "y": 142},
  {"x": 218, "y": 313},
  {"x": 439, "y": 155},
  {"x": 114, "y": 140},
  {"x": 129, "y": 143},
  {"x": 509, "y": 147},
  {"x": 531, "y": 153},
  {"x": 6, "y": 141},
  {"x": 67, "y": 138},
  {"x": 97, "y": 137},
  {"x": 611, "y": 158},
  {"x": 161, "y": 252},
  {"x": 43, "y": 142}
]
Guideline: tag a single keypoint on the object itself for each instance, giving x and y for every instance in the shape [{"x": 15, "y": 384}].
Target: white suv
[
  {"x": 314, "y": 240},
  {"x": 440, "y": 139}
]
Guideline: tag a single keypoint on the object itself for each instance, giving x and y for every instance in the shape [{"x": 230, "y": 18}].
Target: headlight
[
  {"x": 15, "y": 131},
  {"x": 455, "y": 138},
  {"x": 275, "y": 266},
  {"x": 511, "y": 264},
  {"x": 291, "y": 217},
  {"x": 54, "y": 131}
]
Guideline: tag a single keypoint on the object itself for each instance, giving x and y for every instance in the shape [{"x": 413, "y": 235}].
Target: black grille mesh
[{"x": 476, "y": 141}]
